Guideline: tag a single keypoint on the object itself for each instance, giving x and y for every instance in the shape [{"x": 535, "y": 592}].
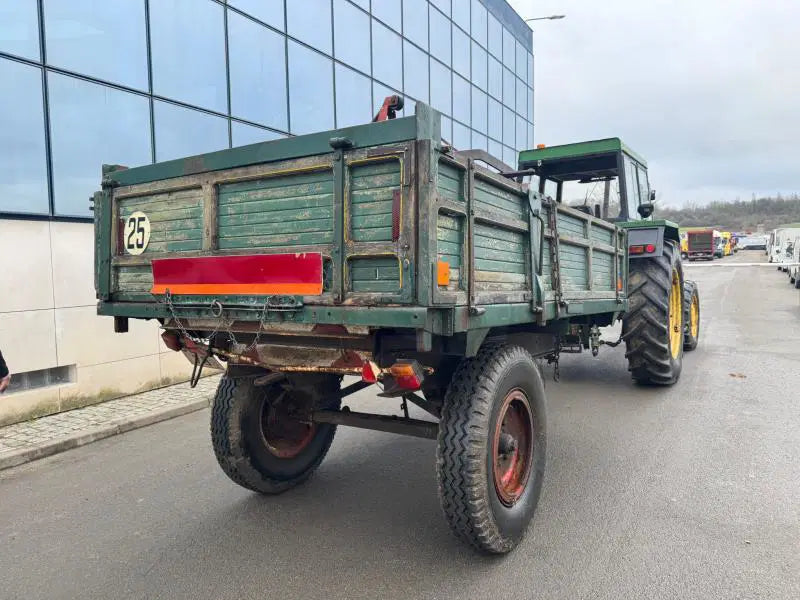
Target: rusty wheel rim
[
  {"x": 512, "y": 447},
  {"x": 285, "y": 436}
]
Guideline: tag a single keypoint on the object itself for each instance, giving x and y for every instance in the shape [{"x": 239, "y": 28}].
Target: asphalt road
[{"x": 686, "y": 492}]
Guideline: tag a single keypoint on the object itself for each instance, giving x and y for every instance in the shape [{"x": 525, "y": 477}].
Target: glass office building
[
  {"x": 136, "y": 81},
  {"x": 87, "y": 82}
]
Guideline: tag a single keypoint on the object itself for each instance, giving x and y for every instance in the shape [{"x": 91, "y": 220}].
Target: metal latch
[{"x": 283, "y": 303}]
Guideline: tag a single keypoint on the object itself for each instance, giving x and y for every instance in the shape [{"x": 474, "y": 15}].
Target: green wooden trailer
[{"x": 380, "y": 251}]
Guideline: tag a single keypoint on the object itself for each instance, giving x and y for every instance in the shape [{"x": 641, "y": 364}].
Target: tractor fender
[{"x": 646, "y": 236}]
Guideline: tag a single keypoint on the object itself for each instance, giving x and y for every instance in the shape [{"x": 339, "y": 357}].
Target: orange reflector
[
  {"x": 636, "y": 249},
  {"x": 619, "y": 283},
  {"x": 370, "y": 371},
  {"x": 443, "y": 273},
  {"x": 649, "y": 248}
]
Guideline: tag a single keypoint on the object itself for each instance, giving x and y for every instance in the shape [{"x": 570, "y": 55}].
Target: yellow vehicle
[
  {"x": 727, "y": 243},
  {"x": 684, "y": 244}
]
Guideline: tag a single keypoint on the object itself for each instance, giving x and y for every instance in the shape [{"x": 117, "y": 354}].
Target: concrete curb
[{"x": 16, "y": 458}]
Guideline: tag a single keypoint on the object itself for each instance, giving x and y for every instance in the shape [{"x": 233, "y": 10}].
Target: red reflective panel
[
  {"x": 291, "y": 274},
  {"x": 650, "y": 248},
  {"x": 636, "y": 249}
]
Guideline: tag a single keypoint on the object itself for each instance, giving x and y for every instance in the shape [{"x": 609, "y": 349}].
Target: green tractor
[{"x": 606, "y": 179}]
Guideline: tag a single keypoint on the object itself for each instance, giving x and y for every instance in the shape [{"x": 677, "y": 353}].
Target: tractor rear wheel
[
  {"x": 691, "y": 315},
  {"x": 259, "y": 441},
  {"x": 653, "y": 326},
  {"x": 490, "y": 456}
]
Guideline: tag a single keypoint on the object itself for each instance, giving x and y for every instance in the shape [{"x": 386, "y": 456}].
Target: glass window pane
[
  {"x": 257, "y": 57},
  {"x": 379, "y": 93},
  {"x": 478, "y": 66},
  {"x": 461, "y": 136},
  {"x": 522, "y": 133},
  {"x": 85, "y": 36},
  {"x": 509, "y": 85},
  {"x": 447, "y": 129},
  {"x": 461, "y": 14},
  {"x": 479, "y": 22},
  {"x": 244, "y": 134},
  {"x": 310, "y": 90},
  {"x": 92, "y": 125},
  {"x": 415, "y": 71},
  {"x": 387, "y": 50},
  {"x": 310, "y": 22},
  {"x": 530, "y": 135},
  {"x": 440, "y": 36},
  {"x": 495, "y": 37},
  {"x": 522, "y": 97},
  {"x": 529, "y": 114},
  {"x": 351, "y": 35},
  {"x": 441, "y": 89},
  {"x": 509, "y": 49},
  {"x": 415, "y": 22},
  {"x": 495, "y": 119},
  {"x": 188, "y": 52},
  {"x": 495, "y": 78},
  {"x": 522, "y": 61},
  {"x": 19, "y": 32},
  {"x": 23, "y": 161},
  {"x": 478, "y": 110},
  {"x": 644, "y": 188},
  {"x": 478, "y": 141},
  {"x": 495, "y": 149},
  {"x": 268, "y": 11},
  {"x": 508, "y": 127},
  {"x": 353, "y": 98},
  {"x": 442, "y": 5},
  {"x": 530, "y": 70},
  {"x": 510, "y": 157},
  {"x": 182, "y": 132},
  {"x": 388, "y": 11},
  {"x": 362, "y": 3},
  {"x": 461, "y": 98},
  {"x": 461, "y": 58}
]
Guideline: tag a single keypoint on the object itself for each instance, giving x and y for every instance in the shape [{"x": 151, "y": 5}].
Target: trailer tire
[
  {"x": 653, "y": 325},
  {"x": 490, "y": 456},
  {"x": 691, "y": 315},
  {"x": 242, "y": 422},
  {"x": 797, "y": 283}
]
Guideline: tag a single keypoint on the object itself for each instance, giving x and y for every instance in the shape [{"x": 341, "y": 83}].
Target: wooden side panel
[
  {"x": 133, "y": 278},
  {"x": 602, "y": 271},
  {"x": 450, "y": 246},
  {"x": 176, "y": 219},
  {"x": 450, "y": 183},
  {"x": 501, "y": 259},
  {"x": 277, "y": 212},
  {"x": 498, "y": 201},
  {"x": 573, "y": 267},
  {"x": 374, "y": 274},
  {"x": 372, "y": 189}
]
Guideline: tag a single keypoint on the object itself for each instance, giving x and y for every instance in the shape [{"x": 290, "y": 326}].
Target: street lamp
[{"x": 550, "y": 18}]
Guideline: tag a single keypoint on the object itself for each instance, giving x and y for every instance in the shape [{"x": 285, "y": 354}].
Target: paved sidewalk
[{"x": 27, "y": 441}]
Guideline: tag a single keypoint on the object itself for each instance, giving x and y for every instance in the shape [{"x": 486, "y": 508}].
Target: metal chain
[{"x": 218, "y": 312}]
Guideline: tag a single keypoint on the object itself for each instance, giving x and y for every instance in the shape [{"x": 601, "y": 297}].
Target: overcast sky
[{"x": 707, "y": 90}]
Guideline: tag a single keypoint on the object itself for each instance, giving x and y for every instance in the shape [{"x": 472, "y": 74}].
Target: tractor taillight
[
  {"x": 407, "y": 375},
  {"x": 650, "y": 248},
  {"x": 636, "y": 249}
]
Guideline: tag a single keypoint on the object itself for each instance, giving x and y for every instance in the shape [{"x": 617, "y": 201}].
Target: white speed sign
[{"x": 137, "y": 233}]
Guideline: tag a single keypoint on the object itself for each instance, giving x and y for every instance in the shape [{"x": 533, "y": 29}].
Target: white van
[
  {"x": 794, "y": 271},
  {"x": 783, "y": 239}
]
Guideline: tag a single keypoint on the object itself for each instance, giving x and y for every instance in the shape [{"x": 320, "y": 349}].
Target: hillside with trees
[{"x": 736, "y": 216}]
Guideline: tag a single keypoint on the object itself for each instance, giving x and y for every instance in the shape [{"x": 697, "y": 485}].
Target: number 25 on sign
[{"x": 137, "y": 233}]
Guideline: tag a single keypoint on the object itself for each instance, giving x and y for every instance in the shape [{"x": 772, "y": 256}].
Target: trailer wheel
[
  {"x": 257, "y": 441},
  {"x": 797, "y": 282},
  {"x": 653, "y": 326},
  {"x": 691, "y": 315},
  {"x": 490, "y": 455}
]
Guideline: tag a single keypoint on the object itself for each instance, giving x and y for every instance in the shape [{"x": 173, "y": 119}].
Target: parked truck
[
  {"x": 701, "y": 244},
  {"x": 445, "y": 277}
]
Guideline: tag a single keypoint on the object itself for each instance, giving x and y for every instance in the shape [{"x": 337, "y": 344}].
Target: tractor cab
[{"x": 604, "y": 178}]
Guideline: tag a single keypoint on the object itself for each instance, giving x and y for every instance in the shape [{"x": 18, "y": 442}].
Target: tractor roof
[{"x": 570, "y": 162}]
